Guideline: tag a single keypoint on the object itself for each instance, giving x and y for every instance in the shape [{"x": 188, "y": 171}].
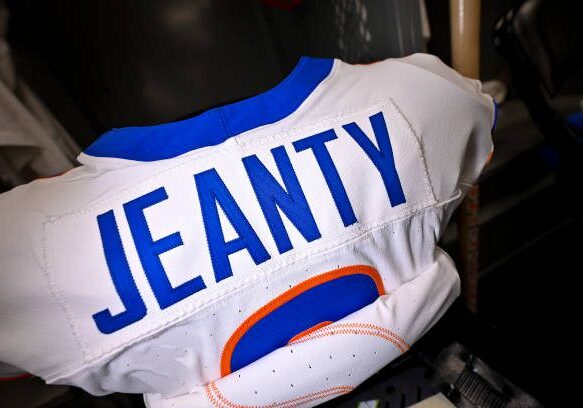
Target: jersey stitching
[
  {"x": 375, "y": 331},
  {"x": 402, "y": 344},
  {"x": 212, "y": 388},
  {"x": 420, "y": 148},
  {"x": 223, "y": 122},
  {"x": 56, "y": 292}
]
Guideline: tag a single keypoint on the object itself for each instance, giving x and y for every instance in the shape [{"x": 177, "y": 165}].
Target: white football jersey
[{"x": 272, "y": 252}]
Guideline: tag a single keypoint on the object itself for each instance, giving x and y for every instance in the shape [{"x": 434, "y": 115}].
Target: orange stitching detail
[
  {"x": 375, "y": 327},
  {"x": 330, "y": 392},
  {"x": 404, "y": 346},
  {"x": 288, "y": 295},
  {"x": 311, "y": 396},
  {"x": 357, "y": 332},
  {"x": 354, "y": 331},
  {"x": 212, "y": 387},
  {"x": 210, "y": 395},
  {"x": 309, "y": 331}
]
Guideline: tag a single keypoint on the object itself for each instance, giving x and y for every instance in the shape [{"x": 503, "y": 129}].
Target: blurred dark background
[
  {"x": 112, "y": 63},
  {"x": 100, "y": 64}
]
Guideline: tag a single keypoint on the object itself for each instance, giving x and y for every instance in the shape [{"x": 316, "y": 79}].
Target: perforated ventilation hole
[
  {"x": 309, "y": 366},
  {"x": 273, "y": 370},
  {"x": 255, "y": 391},
  {"x": 330, "y": 356},
  {"x": 292, "y": 385}
]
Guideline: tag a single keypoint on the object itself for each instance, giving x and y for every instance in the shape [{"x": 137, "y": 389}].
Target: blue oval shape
[{"x": 326, "y": 297}]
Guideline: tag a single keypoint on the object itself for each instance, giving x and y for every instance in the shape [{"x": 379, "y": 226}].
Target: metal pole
[{"x": 465, "y": 51}]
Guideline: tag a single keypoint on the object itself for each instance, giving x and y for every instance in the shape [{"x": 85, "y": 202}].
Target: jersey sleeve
[
  {"x": 29, "y": 314},
  {"x": 453, "y": 119}
]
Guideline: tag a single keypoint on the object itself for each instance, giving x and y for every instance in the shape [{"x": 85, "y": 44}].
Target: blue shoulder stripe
[{"x": 150, "y": 143}]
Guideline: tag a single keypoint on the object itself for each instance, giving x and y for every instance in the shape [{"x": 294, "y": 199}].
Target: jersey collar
[{"x": 151, "y": 143}]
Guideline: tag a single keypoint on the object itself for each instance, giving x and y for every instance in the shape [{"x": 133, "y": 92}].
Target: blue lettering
[
  {"x": 122, "y": 278},
  {"x": 273, "y": 197},
  {"x": 212, "y": 192},
  {"x": 318, "y": 146},
  {"x": 291, "y": 200},
  {"x": 149, "y": 251},
  {"x": 382, "y": 157}
]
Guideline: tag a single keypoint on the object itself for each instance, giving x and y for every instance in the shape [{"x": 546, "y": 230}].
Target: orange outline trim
[
  {"x": 286, "y": 297},
  {"x": 309, "y": 331}
]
